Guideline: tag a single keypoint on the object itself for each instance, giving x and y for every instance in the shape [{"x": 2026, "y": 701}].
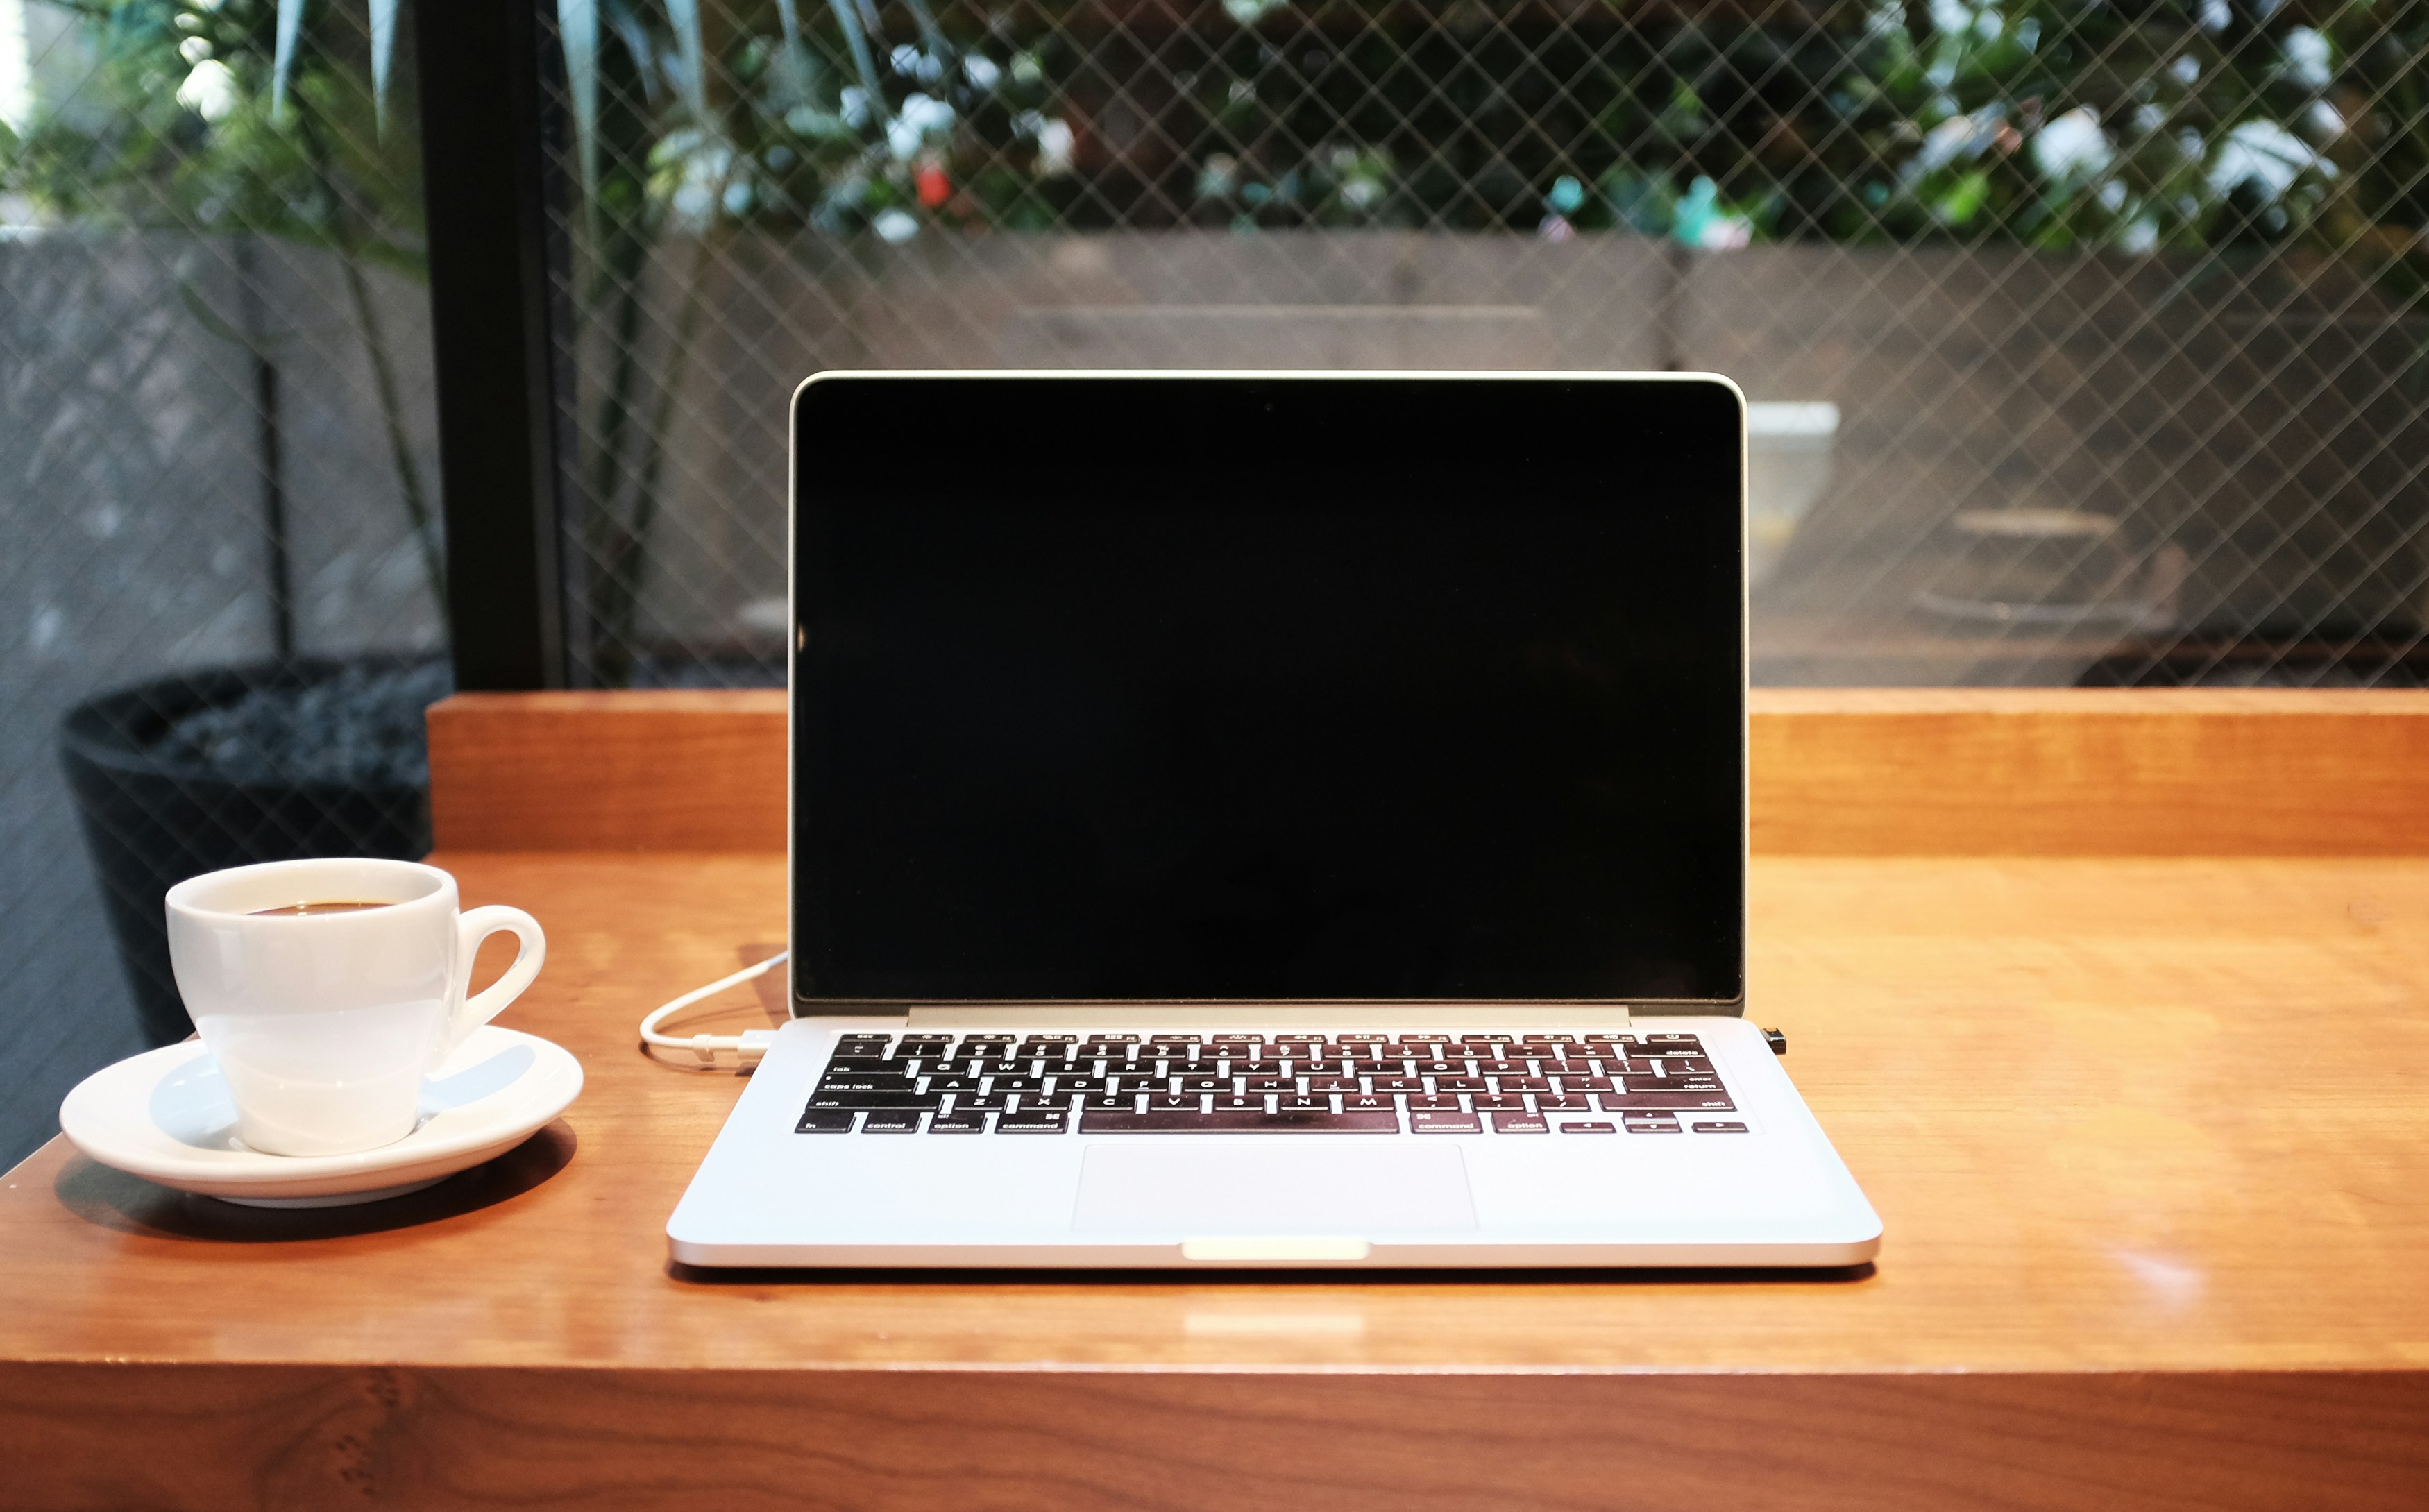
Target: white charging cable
[{"x": 748, "y": 1047}]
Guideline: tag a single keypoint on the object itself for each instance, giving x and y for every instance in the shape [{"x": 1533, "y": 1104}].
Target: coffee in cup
[
  {"x": 326, "y": 989},
  {"x": 308, "y": 910}
]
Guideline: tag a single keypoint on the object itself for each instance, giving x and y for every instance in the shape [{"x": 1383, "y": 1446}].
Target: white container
[{"x": 1788, "y": 465}]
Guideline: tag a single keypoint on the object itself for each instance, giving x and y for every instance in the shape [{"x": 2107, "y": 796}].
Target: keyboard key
[
  {"x": 980, "y": 1101},
  {"x": 925, "y": 1101},
  {"x": 1117, "y": 1101},
  {"x": 1239, "y": 1105},
  {"x": 1689, "y": 1101},
  {"x": 1462, "y": 1084},
  {"x": 1333, "y": 1084},
  {"x": 1720, "y": 1127},
  {"x": 1578, "y": 1084},
  {"x": 899, "y": 1122},
  {"x": 1020, "y": 1084},
  {"x": 818, "y": 1121},
  {"x": 1587, "y": 1128},
  {"x": 1670, "y": 1083},
  {"x": 1444, "y": 1122},
  {"x": 848, "y": 1081},
  {"x": 1295, "y": 1104},
  {"x": 1433, "y": 1104},
  {"x": 1502, "y": 1103},
  {"x": 940, "y": 1083},
  {"x": 1028, "y": 1121},
  {"x": 1288, "y": 1084},
  {"x": 1519, "y": 1123},
  {"x": 1159, "y": 1121},
  {"x": 1651, "y": 1125},
  {"x": 957, "y": 1123},
  {"x": 1167, "y": 1103},
  {"x": 1399, "y": 1084},
  {"x": 1083, "y": 1084},
  {"x": 1213, "y": 1084},
  {"x": 1367, "y": 1101},
  {"x": 1562, "y": 1104}
]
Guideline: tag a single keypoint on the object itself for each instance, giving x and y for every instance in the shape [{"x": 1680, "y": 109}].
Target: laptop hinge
[{"x": 1313, "y": 1015}]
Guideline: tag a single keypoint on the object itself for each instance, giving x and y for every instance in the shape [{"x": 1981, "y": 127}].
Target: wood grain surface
[
  {"x": 666, "y": 770},
  {"x": 2150, "y": 1139},
  {"x": 2089, "y": 772},
  {"x": 1896, "y": 772}
]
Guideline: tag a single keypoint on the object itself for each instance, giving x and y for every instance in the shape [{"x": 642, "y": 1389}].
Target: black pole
[
  {"x": 485, "y": 198},
  {"x": 272, "y": 452}
]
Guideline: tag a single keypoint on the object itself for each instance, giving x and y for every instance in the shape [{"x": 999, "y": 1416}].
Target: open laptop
[{"x": 1265, "y": 820}]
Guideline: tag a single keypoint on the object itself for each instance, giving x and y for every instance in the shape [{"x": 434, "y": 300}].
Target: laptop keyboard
[{"x": 1277, "y": 1084}]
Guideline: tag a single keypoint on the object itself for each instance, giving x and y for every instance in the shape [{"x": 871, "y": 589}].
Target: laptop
[{"x": 1269, "y": 820}]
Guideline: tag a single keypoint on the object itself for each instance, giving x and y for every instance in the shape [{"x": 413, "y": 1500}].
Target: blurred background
[{"x": 2085, "y": 341}]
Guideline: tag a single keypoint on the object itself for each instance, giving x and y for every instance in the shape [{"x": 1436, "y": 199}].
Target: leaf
[
  {"x": 691, "y": 54},
  {"x": 383, "y": 53},
  {"x": 858, "y": 41},
  {"x": 930, "y": 32},
  {"x": 291, "y": 21},
  {"x": 577, "y": 32}
]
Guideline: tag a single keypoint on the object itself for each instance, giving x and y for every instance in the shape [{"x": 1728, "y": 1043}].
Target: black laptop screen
[{"x": 1283, "y": 688}]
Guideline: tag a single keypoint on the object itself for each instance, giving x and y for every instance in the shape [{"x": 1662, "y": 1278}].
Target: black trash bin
[{"x": 158, "y": 807}]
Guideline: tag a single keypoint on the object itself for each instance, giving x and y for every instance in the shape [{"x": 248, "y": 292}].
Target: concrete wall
[
  {"x": 130, "y": 504},
  {"x": 2251, "y": 430}
]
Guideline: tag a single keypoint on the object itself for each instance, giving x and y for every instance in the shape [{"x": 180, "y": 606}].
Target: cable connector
[
  {"x": 749, "y": 1048},
  {"x": 755, "y": 1048}
]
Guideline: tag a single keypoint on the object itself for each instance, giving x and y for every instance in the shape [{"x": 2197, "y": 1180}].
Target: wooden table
[{"x": 2150, "y": 1138}]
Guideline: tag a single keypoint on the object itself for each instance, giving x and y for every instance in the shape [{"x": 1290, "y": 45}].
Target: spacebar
[{"x": 1162, "y": 1120}]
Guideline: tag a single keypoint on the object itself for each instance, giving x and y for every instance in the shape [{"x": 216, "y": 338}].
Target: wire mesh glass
[
  {"x": 2085, "y": 341},
  {"x": 218, "y": 475}
]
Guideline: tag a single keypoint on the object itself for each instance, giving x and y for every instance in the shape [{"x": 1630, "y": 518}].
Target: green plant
[{"x": 248, "y": 118}]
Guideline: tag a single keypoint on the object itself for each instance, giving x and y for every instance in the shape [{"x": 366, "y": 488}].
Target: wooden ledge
[
  {"x": 608, "y": 771},
  {"x": 2089, "y": 772},
  {"x": 1856, "y": 771}
]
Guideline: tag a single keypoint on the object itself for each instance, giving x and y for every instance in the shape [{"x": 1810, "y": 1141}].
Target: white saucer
[{"x": 165, "y": 1116}]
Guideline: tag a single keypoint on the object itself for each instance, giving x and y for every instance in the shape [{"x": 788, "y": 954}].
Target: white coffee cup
[{"x": 323, "y": 1024}]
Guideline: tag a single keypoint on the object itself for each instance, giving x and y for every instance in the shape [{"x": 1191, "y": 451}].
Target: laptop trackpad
[{"x": 1248, "y": 1187}]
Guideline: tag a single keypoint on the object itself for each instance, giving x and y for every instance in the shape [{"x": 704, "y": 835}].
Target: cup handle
[{"x": 472, "y": 926}]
